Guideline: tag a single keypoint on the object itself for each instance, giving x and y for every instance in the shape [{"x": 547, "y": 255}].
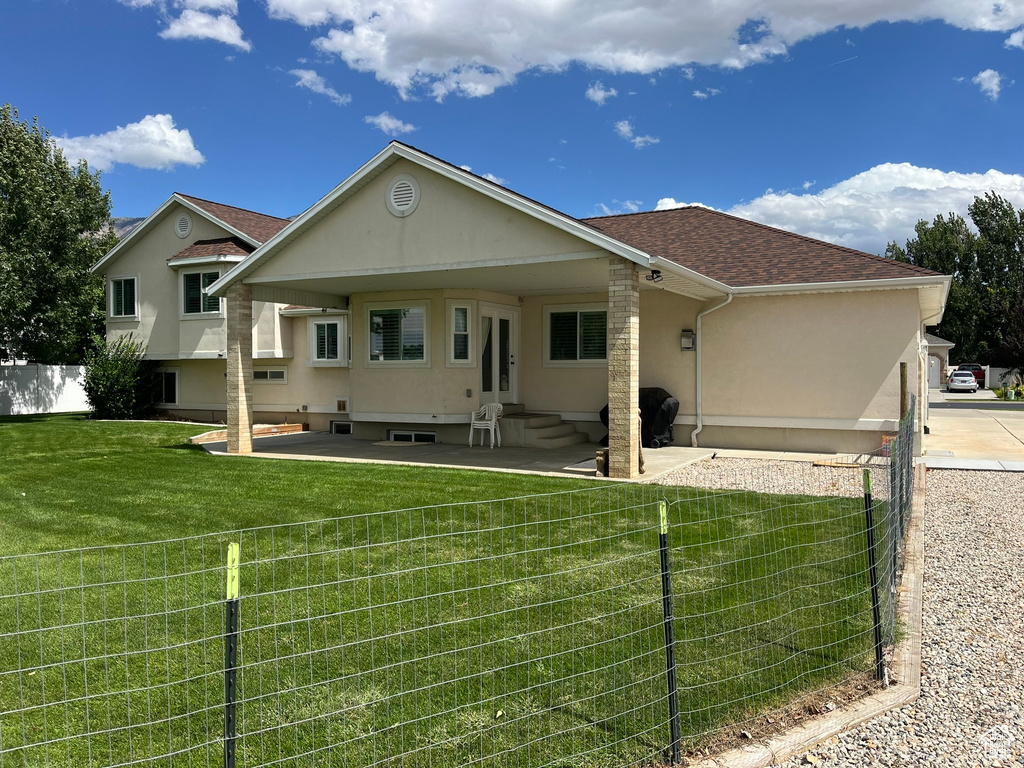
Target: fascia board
[
  {"x": 559, "y": 221},
  {"x": 678, "y": 269},
  {"x": 175, "y": 263},
  {"x": 844, "y": 285}
]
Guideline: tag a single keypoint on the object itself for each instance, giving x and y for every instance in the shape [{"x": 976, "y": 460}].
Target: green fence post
[
  {"x": 231, "y": 654},
  {"x": 670, "y": 652}
]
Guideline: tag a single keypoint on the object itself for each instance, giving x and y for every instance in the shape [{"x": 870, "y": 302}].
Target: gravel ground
[
  {"x": 766, "y": 476},
  {"x": 971, "y": 710}
]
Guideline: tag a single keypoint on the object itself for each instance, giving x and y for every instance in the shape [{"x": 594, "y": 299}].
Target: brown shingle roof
[
  {"x": 258, "y": 226},
  {"x": 221, "y": 246},
  {"x": 740, "y": 253}
]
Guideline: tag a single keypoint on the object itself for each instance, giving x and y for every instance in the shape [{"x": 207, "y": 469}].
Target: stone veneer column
[
  {"x": 239, "y": 383},
  {"x": 623, "y": 368}
]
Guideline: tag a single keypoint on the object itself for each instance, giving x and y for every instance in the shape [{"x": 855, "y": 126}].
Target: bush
[{"x": 119, "y": 383}]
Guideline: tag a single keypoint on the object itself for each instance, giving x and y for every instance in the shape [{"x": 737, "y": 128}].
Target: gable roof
[
  {"x": 220, "y": 246},
  {"x": 742, "y": 253},
  {"x": 248, "y": 226},
  {"x": 936, "y": 341},
  {"x": 258, "y": 226},
  {"x": 396, "y": 151}
]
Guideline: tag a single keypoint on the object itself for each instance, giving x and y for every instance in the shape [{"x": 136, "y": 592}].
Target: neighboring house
[
  {"x": 938, "y": 360},
  {"x": 415, "y": 291}
]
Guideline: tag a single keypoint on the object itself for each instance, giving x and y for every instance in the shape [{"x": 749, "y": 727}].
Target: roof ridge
[
  {"x": 234, "y": 207},
  {"x": 647, "y": 213}
]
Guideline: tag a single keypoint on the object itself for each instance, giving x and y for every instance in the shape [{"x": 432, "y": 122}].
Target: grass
[{"x": 524, "y": 632}]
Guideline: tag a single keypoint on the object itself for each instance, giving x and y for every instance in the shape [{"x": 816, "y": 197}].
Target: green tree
[
  {"x": 119, "y": 382},
  {"x": 53, "y": 228},
  {"x": 987, "y": 267}
]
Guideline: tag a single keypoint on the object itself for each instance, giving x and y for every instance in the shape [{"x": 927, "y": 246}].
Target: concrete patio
[{"x": 570, "y": 461}]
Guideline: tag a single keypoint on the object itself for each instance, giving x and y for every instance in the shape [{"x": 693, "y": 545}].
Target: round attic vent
[
  {"x": 183, "y": 226},
  {"x": 403, "y": 195}
]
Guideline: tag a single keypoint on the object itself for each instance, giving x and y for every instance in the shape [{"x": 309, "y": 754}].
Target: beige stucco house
[{"x": 415, "y": 291}]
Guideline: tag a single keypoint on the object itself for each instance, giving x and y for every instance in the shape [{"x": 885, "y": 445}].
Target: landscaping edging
[{"x": 905, "y": 672}]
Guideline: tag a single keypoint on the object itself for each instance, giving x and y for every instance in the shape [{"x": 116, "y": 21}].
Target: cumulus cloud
[
  {"x": 489, "y": 176},
  {"x": 226, "y": 6},
  {"x": 309, "y": 79},
  {"x": 625, "y": 129},
  {"x": 392, "y": 126},
  {"x": 880, "y": 205},
  {"x": 598, "y": 94},
  {"x": 989, "y": 81},
  {"x": 153, "y": 142},
  {"x": 199, "y": 25},
  {"x": 1016, "y": 40},
  {"x": 455, "y": 46}
]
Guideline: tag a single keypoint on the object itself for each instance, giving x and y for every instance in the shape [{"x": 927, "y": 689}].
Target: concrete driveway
[{"x": 976, "y": 428}]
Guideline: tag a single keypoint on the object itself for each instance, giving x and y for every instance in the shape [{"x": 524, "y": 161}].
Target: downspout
[{"x": 699, "y": 348}]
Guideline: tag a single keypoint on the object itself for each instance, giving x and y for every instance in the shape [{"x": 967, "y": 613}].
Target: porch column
[
  {"x": 239, "y": 354},
  {"x": 623, "y": 368}
]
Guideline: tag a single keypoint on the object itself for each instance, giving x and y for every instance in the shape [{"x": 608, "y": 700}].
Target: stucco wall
[{"x": 452, "y": 224}]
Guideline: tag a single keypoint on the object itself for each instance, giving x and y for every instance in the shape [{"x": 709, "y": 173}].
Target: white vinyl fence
[{"x": 27, "y": 389}]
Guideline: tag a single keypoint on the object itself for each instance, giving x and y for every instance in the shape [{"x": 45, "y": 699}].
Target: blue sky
[{"x": 848, "y": 121}]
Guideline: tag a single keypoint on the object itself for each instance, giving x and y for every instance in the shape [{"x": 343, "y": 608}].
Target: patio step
[
  {"x": 561, "y": 442},
  {"x": 559, "y": 429},
  {"x": 512, "y": 409}
]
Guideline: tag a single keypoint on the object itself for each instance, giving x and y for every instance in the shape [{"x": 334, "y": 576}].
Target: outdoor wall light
[
  {"x": 686, "y": 339},
  {"x": 655, "y": 276}
]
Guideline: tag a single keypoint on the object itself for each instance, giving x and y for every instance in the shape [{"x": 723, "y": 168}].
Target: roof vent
[
  {"x": 403, "y": 195},
  {"x": 183, "y": 226}
]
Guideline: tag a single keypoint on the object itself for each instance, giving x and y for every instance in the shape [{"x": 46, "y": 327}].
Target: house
[{"x": 414, "y": 291}]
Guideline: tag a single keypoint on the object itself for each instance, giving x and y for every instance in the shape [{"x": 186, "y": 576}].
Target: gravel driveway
[{"x": 971, "y": 710}]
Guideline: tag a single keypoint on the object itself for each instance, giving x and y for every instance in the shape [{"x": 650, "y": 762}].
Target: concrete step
[
  {"x": 558, "y": 429},
  {"x": 512, "y": 409},
  {"x": 561, "y": 442}
]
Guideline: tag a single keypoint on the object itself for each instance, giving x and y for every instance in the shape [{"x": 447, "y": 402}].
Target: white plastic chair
[{"x": 486, "y": 419}]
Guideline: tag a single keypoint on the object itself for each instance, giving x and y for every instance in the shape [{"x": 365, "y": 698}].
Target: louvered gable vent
[
  {"x": 403, "y": 195},
  {"x": 183, "y": 226}
]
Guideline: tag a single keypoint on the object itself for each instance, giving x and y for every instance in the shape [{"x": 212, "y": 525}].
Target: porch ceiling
[{"x": 559, "y": 275}]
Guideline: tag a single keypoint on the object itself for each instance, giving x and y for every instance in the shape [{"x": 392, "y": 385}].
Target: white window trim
[
  {"x": 425, "y": 362},
  {"x": 471, "y": 319},
  {"x": 269, "y": 381},
  {"x": 548, "y": 362},
  {"x": 182, "y": 315},
  {"x": 344, "y": 346},
  {"x": 111, "y": 317},
  {"x": 177, "y": 385}
]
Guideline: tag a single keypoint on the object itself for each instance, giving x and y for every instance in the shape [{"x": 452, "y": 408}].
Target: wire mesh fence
[{"x": 620, "y": 625}]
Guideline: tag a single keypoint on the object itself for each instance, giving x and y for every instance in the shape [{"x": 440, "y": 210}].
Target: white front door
[{"x": 499, "y": 351}]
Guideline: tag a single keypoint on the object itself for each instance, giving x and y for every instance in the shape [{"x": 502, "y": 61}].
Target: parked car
[
  {"x": 977, "y": 370},
  {"x": 962, "y": 381}
]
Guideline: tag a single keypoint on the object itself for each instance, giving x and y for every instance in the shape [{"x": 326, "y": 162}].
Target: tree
[
  {"x": 53, "y": 228},
  {"x": 987, "y": 266},
  {"x": 119, "y": 382}
]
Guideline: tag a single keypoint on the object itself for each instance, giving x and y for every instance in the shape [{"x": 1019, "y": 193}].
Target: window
[
  {"x": 272, "y": 375},
  {"x": 461, "y": 331},
  {"x": 398, "y": 334},
  {"x": 168, "y": 381},
  {"x": 577, "y": 335},
  {"x": 196, "y": 301},
  {"x": 328, "y": 341},
  {"x": 460, "y": 334},
  {"x": 122, "y": 297},
  {"x": 411, "y": 436}
]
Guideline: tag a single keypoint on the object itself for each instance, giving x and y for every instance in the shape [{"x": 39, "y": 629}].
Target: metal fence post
[
  {"x": 876, "y": 612},
  {"x": 231, "y": 655},
  {"x": 670, "y": 653}
]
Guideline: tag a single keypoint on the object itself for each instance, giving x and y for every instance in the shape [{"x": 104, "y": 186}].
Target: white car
[{"x": 962, "y": 381}]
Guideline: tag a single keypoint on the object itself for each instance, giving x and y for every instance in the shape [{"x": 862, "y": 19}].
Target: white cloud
[
  {"x": 625, "y": 129},
  {"x": 388, "y": 124},
  {"x": 489, "y": 176},
  {"x": 309, "y": 79},
  {"x": 198, "y": 25},
  {"x": 153, "y": 142},
  {"x": 667, "y": 203},
  {"x": 706, "y": 93},
  {"x": 598, "y": 94},
  {"x": 808, "y": 184},
  {"x": 880, "y": 205},
  {"x": 1016, "y": 40},
  {"x": 225, "y": 6},
  {"x": 618, "y": 207},
  {"x": 472, "y": 48},
  {"x": 988, "y": 80}
]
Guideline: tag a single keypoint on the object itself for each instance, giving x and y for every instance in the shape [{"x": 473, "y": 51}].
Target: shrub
[{"x": 119, "y": 383}]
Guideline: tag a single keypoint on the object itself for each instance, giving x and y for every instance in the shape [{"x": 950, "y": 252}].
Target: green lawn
[{"x": 522, "y": 633}]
